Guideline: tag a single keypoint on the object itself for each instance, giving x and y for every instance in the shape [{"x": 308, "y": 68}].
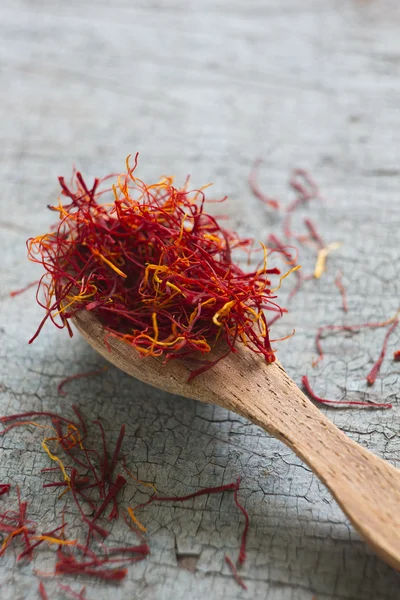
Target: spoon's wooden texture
[{"x": 366, "y": 487}]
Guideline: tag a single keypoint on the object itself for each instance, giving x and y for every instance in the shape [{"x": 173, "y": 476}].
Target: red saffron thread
[
  {"x": 396, "y": 355},
  {"x": 338, "y": 328},
  {"x": 242, "y": 551},
  {"x": 117, "y": 450},
  {"x": 253, "y": 183},
  {"x": 141, "y": 549},
  {"x": 77, "y": 569},
  {"x": 314, "y": 233},
  {"x": 24, "y": 289},
  {"x": 113, "y": 491},
  {"x": 80, "y": 418},
  {"x": 235, "y": 573},
  {"x": 42, "y": 591},
  {"x": 105, "y": 470},
  {"x": 15, "y": 524},
  {"x": 371, "y": 377},
  {"x": 68, "y": 590},
  {"x": 283, "y": 249},
  {"x": 4, "y": 488},
  {"x": 306, "y": 189},
  {"x": 313, "y": 396},
  {"x": 341, "y": 288},
  {"x": 209, "y": 490},
  {"x": 78, "y": 376},
  {"x": 92, "y": 526},
  {"x": 34, "y": 413}
]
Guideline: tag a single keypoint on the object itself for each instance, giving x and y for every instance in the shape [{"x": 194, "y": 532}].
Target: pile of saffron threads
[
  {"x": 154, "y": 267},
  {"x": 91, "y": 479}
]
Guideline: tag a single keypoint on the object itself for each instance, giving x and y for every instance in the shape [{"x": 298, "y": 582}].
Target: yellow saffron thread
[
  {"x": 145, "y": 483},
  {"x": 321, "y": 258},
  {"x": 223, "y": 312},
  {"x": 296, "y": 268},
  {"x": 11, "y": 535},
  {"x": 109, "y": 263},
  {"x": 53, "y": 540},
  {"x": 56, "y": 459},
  {"x": 174, "y": 287},
  {"x": 134, "y": 519}
]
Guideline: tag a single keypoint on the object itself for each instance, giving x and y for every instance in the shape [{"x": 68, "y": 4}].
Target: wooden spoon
[{"x": 366, "y": 487}]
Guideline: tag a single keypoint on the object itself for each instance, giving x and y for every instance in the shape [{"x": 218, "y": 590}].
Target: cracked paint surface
[{"x": 204, "y": 88}]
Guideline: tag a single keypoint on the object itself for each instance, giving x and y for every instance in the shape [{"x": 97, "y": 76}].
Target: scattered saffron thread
[
  {"x": 56, "y": 459},
  {"x": 214, "y": 490},
  {"x": 24, "y": 289},
  {"x": 323, "y": 254},
  {"x": 396, "y": 355},
  {"x": 4, "y": 488},
  {"x": 78, "y": 376},
  {"x": 373, "y": 374},
  {"x": 341, "y": 288},
  {"x": 72, "y": 594},
  {"x": 117, "y": 451},
  {"x": 235, "y": 573},
  {"x": 242, "y": 551},
  {"x": 306, "y": 189},
  {"x": 313, "y": 396},
  {"x": 130, "y": 474},
  {"x": 42, "y": 591},
  {"x": 135, "y": 520},
  {"x": 314, "y": 233},
  {"x": 253, "y": 183},
  {"x": 279, "y": 246},
  {"x": 205, "y": 491},
  {"x": 340, "y": 328},
  {"x": 34, "y": 413}
]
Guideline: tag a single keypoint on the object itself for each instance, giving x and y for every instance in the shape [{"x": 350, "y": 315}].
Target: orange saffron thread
[{"x": 135, "y": 520}]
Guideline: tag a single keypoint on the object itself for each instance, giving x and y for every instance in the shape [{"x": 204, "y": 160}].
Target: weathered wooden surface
[{"x": 203, "y": 88}]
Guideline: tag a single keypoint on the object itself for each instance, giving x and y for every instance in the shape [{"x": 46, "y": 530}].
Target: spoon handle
[{"x": 366, "y": 487}]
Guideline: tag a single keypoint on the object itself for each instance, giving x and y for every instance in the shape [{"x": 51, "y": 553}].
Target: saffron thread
[
  {"x": 78, "y": 376},
  {"x": 235, "y": 573},
  {"x": 341, "y": 288},
  {"x": 253, "y": 183},
  {"x": 318, "y": 399},
  {"x": 373, "y": 374}
]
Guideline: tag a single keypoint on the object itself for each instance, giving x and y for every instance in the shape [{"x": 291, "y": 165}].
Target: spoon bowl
[{"x": 366, "y": 487}]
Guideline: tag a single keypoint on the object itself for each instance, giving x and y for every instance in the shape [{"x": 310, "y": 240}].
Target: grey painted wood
[{"x": 203, "y": 88}]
